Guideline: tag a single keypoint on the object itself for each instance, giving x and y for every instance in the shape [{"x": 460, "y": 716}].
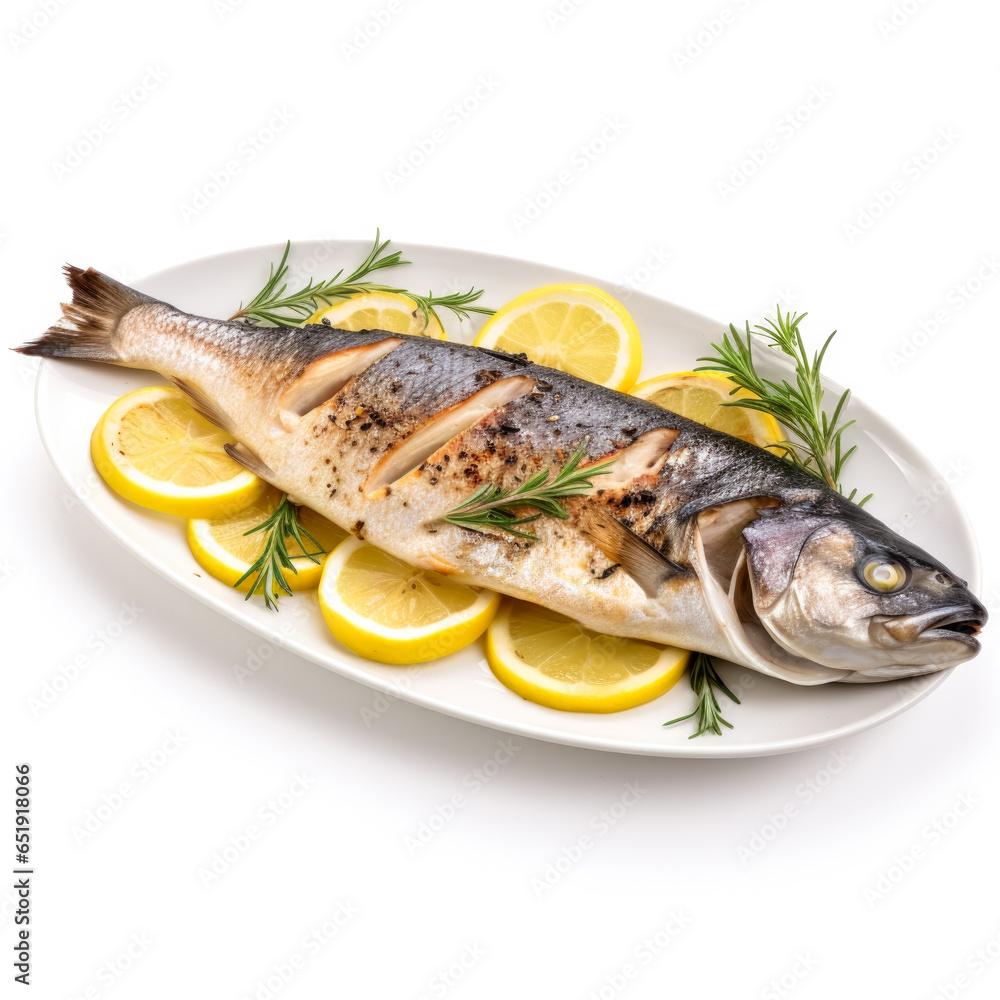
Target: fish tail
[{"x": 89, "y": 327}]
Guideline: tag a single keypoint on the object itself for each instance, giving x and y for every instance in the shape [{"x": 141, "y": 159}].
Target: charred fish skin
[{"x": 692, "y": 538}]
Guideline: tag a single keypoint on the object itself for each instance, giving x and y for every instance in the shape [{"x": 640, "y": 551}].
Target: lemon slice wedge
[
  {"x": 702, "y": 396},
  {"x": 550, "y": 659},
  {"x": 152, "y": 448},
  {"x": 578, "y": 329},
  {"x": 223, "y": 548},
  {"x": 386, "y": 610},
  {"x": 388, "y": 311}
]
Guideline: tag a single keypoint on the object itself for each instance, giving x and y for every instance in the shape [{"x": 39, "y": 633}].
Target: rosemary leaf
[
  {"x": 272, "y": 306},
  {"x": 817, "y": 448},
  {"x": 704, "y": 680},
  {"x": 267, "y": 571},
  {"x": 490, "y": 506}
]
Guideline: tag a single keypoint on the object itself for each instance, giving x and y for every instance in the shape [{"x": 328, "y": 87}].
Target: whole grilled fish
[{"x": 692, "y": 538}]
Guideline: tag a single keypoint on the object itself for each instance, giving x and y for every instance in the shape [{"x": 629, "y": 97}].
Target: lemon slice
[
  {"x": 552, "y": 660},
  {"x": 701, "y": 396},
  {"x": 575, "y": 328},
  {"x": 388, "y": 311},
  {"x": 223, "y": 548},
  {"x": 385, "y": 610},
  {"x": 153, "y": 449}
]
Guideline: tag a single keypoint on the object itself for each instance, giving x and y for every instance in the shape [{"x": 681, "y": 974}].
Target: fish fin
[
  {"x": 203, "y": 405},
  {"x": 721, "y": 526},
  {"x": 647, "y": 566},
  {"x": 774, "y": 541},
  {"x": 92, "y": 318},
  {"x": 517, "y": 359},
  {"x": 250, "y": 461}
]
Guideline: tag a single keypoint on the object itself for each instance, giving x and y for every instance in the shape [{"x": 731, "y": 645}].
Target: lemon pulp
[
  {"x": 384, "y": 609},
  {"x": 223, "y": 547},
  {"x": 390, "y": 311},
  {"x": 152, "y": 448},
  {"x": 550, "y": 659},
  {"x": 702, "y": 396},
  {"x": 577, "y": 329}
]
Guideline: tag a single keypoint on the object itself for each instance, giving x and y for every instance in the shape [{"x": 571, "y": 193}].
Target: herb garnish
[
  {"x": 704, "y": 679},
  {"x": 281, "y": 525},
  {"x": 798, "y": 407},
  {"x": 272, "y": 306},
  {"x": 493, "y": 507}
]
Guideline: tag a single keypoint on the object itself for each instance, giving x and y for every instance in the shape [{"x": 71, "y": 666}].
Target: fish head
[{"x": 842, "y": 590}]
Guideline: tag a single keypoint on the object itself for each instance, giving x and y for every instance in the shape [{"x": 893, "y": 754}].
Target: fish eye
[{"x": 885, "y": 576}]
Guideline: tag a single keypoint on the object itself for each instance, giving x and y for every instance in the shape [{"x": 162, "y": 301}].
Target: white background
[{"x": 859, "y": 893}]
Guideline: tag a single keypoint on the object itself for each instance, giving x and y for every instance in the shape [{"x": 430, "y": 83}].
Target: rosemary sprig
[
  {"x": 704, "y": 680},
  {"x": 271, "y": 305},
  {"x": 491, "y": 506},
  {"x": 799, "y": 407},
  {"x": 280, "y": 526}
]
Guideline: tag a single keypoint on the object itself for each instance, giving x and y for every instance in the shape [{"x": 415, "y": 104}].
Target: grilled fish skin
[{"x": 693, "y": 537}]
